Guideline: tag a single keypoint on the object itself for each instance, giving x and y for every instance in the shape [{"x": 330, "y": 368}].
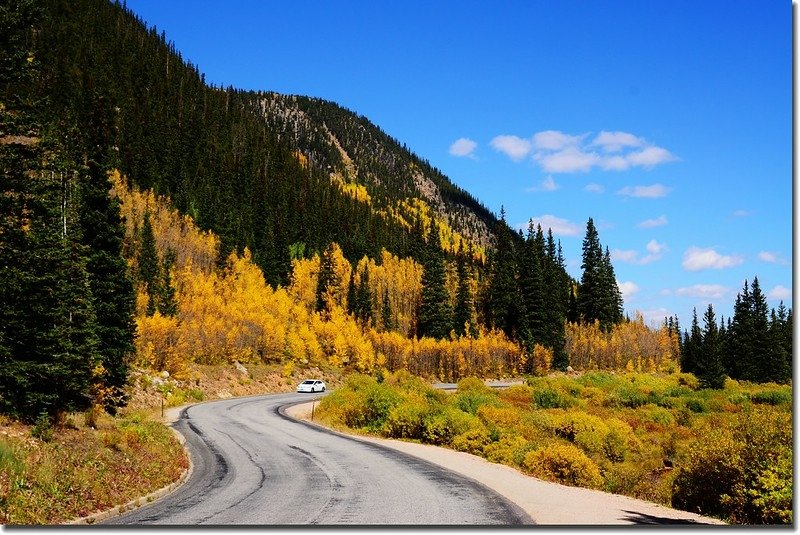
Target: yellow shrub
[{"x": 563, "y": 463}]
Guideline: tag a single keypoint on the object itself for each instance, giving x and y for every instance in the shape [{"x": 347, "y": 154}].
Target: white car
[{"x": 311, "y": 385}]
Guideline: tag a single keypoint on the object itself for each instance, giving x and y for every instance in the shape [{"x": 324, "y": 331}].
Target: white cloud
[
  {"x": 653, "y": 247},
  {"x": 650, "y": 157},
  {"x": 650, "y": 192},
  {"x": 594, "y": 188},
  {"x": 514, "y": 147},
  {"x": 705, "y": 291},
  {"x": 742, "y": 213},
  {"x": 555, "y": 140},
  {"x": 615, "y": 163},
  {"x": 568, "y": 160},
  {"x": 559, "y": 226},
  {"x": 628, "y": 256},
  {"x": 463, "y": 147},
  {"x": 548, "y": 184},
  {"x": 655, "y": 250},
  {"x": 627, "y": 289},
  {"x": 616, "y": 141},
  {"x": 772, "y": 258},
  {"x": 660, "y": 221},
  {"x": 696, "y": 259},
  {"x": 780, "y": 293}
]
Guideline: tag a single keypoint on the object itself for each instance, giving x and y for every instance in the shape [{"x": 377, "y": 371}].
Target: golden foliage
[
  {"x": 630, "y": 345},
  {"x": 232, "y": 314}
]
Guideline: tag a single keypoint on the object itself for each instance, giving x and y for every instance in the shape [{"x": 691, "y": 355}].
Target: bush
[
  {"x": 572, "y": 424},
  {"x": 501, "y": 416},
  {"x": 696, "y": 405},
  {"x": 406, "y": 420},
  {"x": 772, "y": 397},
  {"x": 472, "y": 441},
  {"x": 472, "y": 384},
  {"x": 619, "y": 441},
  {"x": 550, "y": 398},
  {"x": 741, "y": 472},
  {"x": 518, "y": 395},
  {"x": 471, "y": 400},
  {"x": 442, "y": 426},
  {"x": 509, "y": 449},
  {"x": 43, "y": 428},
  {"x": 563, "y": 463}
]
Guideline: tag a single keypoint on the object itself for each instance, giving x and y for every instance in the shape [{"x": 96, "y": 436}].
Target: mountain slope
[{"x": 279, "y": 175}]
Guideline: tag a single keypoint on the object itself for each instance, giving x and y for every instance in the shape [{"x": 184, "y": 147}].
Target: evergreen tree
[
  {"x": 435, "y": 312},
  {"x": 149, "y": 272},
  {"x": 113, "y": 297},
  {"x": 708, "y": 364},
  {"x": 167, "y": 304},
  {"x": 532, "y": 288},
  {"x": 326, "y": 278},
  {"x": 462, "y": 315},
  {"x": 504, "y": 307},
  {"x": 599, "y": 298},
  {"x": 692, "y": 346}
]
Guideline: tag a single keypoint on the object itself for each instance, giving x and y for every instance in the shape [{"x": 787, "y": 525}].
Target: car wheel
[{"x": 323, "y": 389}]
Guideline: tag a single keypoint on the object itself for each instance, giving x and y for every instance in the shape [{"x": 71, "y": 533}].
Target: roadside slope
[{"x": 547, "y": 503}]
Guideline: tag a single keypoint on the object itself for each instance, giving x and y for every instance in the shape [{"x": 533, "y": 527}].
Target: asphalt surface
[{"x": 252, "y": 465}]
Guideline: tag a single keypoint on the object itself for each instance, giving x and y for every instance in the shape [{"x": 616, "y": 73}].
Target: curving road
[{"x": 254, "y": 466}]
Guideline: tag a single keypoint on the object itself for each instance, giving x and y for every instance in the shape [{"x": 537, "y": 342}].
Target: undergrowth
[{"x": 724, "y": 453}]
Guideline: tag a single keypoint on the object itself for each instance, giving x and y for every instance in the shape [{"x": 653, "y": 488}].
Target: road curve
[{"x": 254, "y": 466}]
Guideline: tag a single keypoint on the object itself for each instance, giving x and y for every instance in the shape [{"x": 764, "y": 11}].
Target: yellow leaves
[
  {"x": 172, "y": 231},
  {"x": 352, "y": 189},
  {"x": 631, "y": 345}
]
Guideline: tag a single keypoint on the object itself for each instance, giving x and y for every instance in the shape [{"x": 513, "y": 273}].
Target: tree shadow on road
[{"x": 642, "y": 518}]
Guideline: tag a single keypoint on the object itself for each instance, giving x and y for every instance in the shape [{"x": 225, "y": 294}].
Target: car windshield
[{"x": 308, "y": 382}]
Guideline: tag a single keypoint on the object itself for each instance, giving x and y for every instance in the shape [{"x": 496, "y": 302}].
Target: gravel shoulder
[{"x": 547, "y": 503}]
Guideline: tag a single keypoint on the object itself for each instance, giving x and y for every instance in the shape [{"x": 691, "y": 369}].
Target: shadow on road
[{"x": 642, "y": 518}]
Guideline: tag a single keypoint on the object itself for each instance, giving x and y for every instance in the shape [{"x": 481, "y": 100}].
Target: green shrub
[
  {"x": 619, "y": 441},
  {"x": 772, "y": 396},
  {"x": 509, "y": 449},
  {"x": 601, "y": 380},
  {"x": 379, "y": 400},
  {"x": 656, "y": 415},
  {"x": 563, "y": 463},
  {"x": 470, "y": 401},
  {"x": 741, "y": 472},
  {"x": 550, "y": 398},
  {"x": 406, "y": 419},
  {"x": 688, "y": 380},
  {"x": 472, "y": 384},
  {"x": 43, "y": 428},
  {"x": 442, "y": 426},
  {"x": 571, "y": 424},
  {"x": 472, "y": 440},
  {"x": 696, "y": 405}
]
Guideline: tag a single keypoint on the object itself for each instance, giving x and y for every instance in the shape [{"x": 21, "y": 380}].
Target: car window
[{"x": 308, "y": 382}]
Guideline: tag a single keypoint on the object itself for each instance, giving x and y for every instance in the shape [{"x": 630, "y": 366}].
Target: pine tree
[
  {"x": 435, "y": 312},
  {"x": 599, "y": 298},
  {"x": 167, "y": 303},
  {"x": 504, "y": 300},
  {"x": 113, "y": 298},
  {"x": 692, "y": 346},
  {"x": 708, "y": 365},
  {"x": 462, "y": 315},
  {"x": 149, "y": 271}
]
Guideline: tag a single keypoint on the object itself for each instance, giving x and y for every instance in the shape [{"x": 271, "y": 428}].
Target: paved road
[{"x": 254, "y": 466}]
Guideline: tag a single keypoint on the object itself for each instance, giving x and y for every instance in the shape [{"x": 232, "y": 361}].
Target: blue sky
[{"x": 669, "y": 123}]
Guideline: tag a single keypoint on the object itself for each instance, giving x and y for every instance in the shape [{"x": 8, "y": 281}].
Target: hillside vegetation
[{"x": 725, "y": 453}]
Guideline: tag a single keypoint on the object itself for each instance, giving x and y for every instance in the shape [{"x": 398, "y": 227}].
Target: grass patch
[{"x": 81, "y": 470}]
